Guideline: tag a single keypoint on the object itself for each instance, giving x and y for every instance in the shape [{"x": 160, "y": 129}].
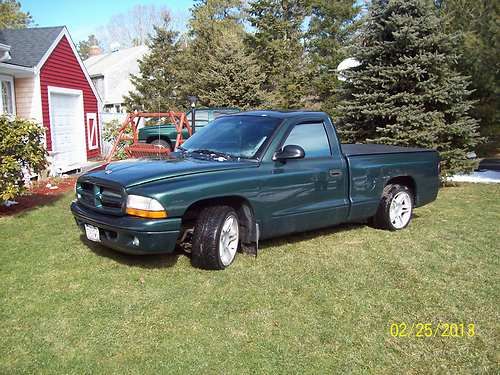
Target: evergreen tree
[
  {"x": 11, "y": 16},
  {"x": 406, "y": 91},
  {"x": 277, "y": 41},
  {"x": 231, "y": 76},
  {"x": 85, "y": 45},
  {"x": 216, "y": 65},
  {"x": 479, "y": 45},
  {"x": 156, "y": 84},
  {"x": 331, "y": 25}
]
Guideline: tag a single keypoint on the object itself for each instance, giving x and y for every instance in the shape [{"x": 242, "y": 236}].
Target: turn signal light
[{"x": 147, "y": 214}]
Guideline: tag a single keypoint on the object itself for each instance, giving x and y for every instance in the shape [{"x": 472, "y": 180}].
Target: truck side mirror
[{"x": 289, "y": 152}]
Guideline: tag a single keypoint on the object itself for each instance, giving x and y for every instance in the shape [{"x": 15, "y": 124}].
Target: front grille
[
  {"x": 110, "y": 198},
  {"x": 102, "y": 197}
]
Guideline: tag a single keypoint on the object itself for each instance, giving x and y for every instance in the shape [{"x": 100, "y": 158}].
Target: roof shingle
[{"x": 27, "y": 46}]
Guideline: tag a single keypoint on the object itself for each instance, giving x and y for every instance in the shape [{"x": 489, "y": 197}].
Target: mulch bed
[{"x": 40, "y": 195}]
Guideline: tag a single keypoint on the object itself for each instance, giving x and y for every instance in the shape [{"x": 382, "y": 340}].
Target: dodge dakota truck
[{"x": 248, "y": 177}]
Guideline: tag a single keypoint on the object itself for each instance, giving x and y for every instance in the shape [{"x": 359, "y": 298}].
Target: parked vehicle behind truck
[
  {"x": 248, "y": 177},
  {"x": 165, "y": 134}
]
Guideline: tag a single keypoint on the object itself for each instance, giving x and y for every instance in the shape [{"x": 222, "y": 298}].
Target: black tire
[
  {"x": 382, "y": 218},
  {"x": 207, "y": 231},
  {"x": 162, "y": 143}
]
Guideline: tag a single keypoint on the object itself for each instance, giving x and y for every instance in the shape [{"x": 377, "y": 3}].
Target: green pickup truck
[
  {"x": 248, "y": 177},
  {"x": 165, "y": 134}
]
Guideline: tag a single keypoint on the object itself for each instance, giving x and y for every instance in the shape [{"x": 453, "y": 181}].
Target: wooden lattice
[{"x": 144, "y": 150}]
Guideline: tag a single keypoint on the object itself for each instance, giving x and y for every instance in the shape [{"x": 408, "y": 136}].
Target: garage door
[{"x": 68, "y": 133}]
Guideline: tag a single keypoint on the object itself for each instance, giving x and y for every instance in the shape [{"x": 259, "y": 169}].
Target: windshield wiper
[{"x": 205, "y": 151}]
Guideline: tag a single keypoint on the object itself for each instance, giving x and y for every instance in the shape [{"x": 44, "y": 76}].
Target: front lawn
[{"x": 320, "y": 302}]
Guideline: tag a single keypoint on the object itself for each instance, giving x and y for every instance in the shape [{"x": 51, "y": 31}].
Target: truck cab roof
[{"x": 282, "y": 114}]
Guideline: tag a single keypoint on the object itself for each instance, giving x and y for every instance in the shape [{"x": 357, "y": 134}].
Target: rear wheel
[
  {"x": 395, "y": 208},
  {"x": 215, "y": 238},
  {"x": 161, "y": 143}
]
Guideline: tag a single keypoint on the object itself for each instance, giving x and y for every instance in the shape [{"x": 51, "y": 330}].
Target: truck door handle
[{"x": 335, "y": 172}]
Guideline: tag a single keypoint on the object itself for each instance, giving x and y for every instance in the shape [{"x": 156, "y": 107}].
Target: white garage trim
[{"x": 78, "y": 130}]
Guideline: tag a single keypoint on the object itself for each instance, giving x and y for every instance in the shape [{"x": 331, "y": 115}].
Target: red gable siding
[{"x": 63, "y": 70}]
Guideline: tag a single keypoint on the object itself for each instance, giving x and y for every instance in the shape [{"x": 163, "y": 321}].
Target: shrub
[
  {"x": 110, "y": 132},
  {"x": 21, "y": 150}
]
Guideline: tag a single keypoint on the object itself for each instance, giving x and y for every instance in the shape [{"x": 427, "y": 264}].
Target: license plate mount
[{"x": 92, "y": 233}]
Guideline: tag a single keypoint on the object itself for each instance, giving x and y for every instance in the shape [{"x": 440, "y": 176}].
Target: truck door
[{"x": 306, "y": 193}]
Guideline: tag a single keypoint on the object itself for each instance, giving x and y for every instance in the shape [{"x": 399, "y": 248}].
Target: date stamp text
[{"x": 420, "y": 329}]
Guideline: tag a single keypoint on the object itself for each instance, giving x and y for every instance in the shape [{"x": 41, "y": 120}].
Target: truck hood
[{"x": 135, "y": 172}]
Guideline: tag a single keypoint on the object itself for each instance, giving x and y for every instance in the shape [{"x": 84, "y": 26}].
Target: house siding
[
  {"x": 63, "y": 70},
  {"x": 28, "y": 99}
]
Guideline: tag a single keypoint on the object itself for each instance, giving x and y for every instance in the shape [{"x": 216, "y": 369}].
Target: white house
[{"x": 110, "y": 73}]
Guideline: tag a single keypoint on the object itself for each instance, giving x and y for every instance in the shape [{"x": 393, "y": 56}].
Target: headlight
[
  {"x": 77, "y": 190},
  {"x": 145, "y": 207}
]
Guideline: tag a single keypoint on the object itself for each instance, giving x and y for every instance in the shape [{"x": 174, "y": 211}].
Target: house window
[
  {"x": 98, "y": 82},
  {"x": 7, "y": 95}
]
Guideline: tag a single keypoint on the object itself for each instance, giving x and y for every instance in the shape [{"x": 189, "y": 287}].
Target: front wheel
[
  {"x": 395, "y": 208},
  {"x": 216, "y": 238}
]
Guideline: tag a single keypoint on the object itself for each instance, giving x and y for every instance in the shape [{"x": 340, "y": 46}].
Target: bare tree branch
[{"x": 134, "y": 27}]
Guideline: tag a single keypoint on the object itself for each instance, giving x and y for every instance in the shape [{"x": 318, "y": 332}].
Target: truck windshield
[{"x": 234, "y": 136}]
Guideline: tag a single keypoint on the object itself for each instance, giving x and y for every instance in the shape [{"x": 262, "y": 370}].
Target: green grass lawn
[{"x": 320, "y": 302}]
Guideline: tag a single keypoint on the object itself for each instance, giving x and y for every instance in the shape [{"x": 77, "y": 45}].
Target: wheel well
[
  {"x": 407, "y": 181},
  {"x": 242, "y": 207}
]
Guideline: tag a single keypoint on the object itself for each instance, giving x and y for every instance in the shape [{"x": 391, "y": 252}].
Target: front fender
[{"x": 179, "y": 193}]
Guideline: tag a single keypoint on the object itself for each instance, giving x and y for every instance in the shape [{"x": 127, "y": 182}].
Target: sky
[{"x": 85, "y": 17}]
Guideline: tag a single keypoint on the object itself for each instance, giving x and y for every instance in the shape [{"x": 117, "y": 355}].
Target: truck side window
[
  {"x": 312, "y": 138},
  {"x": 223, "y": 112},
  {"x": 202, "y": 116}
]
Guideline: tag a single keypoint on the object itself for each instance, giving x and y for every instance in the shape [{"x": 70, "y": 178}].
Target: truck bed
[
  {"x": 374, "y": 149},
  {"x": 371, "y": 166}
]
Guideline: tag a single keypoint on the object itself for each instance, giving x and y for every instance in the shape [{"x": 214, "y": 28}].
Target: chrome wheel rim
[
  {"x": 228, "y": 242},
  {"x": 400, "y": 210}
]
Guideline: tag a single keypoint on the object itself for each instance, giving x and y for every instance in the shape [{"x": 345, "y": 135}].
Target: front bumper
[{"x": 152, "y": 236}]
